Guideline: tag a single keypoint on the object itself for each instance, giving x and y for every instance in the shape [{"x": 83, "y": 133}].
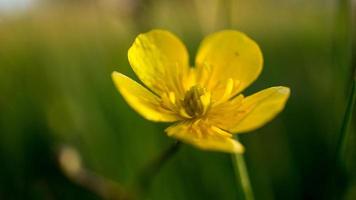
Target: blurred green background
[{"x": 56, "y": 58}]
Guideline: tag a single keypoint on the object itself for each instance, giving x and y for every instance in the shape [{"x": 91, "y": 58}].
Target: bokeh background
[{"x": 56, "y": 58}]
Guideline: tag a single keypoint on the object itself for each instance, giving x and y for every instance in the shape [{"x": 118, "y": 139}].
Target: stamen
[
  {"x": 197, "y": 128},
  {"x": 183, "y": 113},
  {"x": 205, "y": 74},
  {"x": 220, "y": 132},
  {"x": 229, "y": 88},
  {"x": 169, "y": 101},
  {"x": 196, "y": 122},
  {"x": 205, "y": 100},
  {"x": 172, "y": 97}
]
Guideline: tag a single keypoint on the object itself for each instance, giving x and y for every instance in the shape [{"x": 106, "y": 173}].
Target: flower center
[{"x": 196, "y": 101}]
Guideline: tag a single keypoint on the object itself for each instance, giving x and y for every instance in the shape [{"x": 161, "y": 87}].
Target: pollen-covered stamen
[{"x": 196, "y": 101}]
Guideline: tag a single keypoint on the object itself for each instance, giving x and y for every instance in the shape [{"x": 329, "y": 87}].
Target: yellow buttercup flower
[{"x": 205, "y": 101}]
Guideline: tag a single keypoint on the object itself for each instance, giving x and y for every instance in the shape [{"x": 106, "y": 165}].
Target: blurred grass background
[{"x": 56, "y": 58}]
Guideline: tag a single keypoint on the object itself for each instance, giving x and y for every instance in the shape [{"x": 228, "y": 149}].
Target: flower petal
[
  {"x": 142, "y": 100},
  {"x": 228, "y": 55},
  {"x": 160, "y": 60},
  {"x": 205, "y": 137},
  {"x": 246, "y": 114}
]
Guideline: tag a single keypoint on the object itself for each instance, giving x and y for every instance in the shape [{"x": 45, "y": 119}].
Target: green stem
[
  {"x": 242, "y": 177},
  {"x": 151, "y": 170},
  {"x": 344, "y": 133},
  {"x": 345, "y": 27}
]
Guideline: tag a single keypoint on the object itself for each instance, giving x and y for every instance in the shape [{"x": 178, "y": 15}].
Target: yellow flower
[{"x": 205, "y": 100}]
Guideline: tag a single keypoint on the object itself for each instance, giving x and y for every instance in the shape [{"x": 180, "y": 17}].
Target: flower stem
[
  {"x": 242, "y": 177},
  {"x": 153, "y": 167},
  {"x": 345, "y": 24},
  {"x": 344, "y": 133}
]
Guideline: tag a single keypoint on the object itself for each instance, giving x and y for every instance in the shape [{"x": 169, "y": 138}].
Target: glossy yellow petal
[
  {"x": 160, "y": 60},
  {"x": 228, "y": 55},
  {"x": 246, "y": 114},
  {"x": 205, "y": 137},
  {"x": 142, "y": 100}
]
